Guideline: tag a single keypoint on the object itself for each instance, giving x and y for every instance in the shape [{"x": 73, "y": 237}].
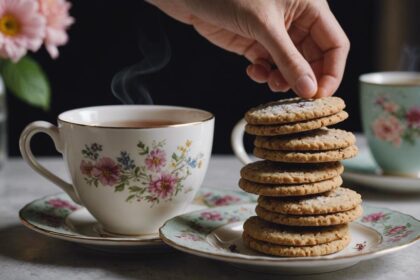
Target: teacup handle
[
  {"x": 25, "y": 149},
  {"x": 237, "y": 142}
]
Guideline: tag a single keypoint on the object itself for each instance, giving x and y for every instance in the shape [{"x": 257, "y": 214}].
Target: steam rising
[
  {"x": 128, "y": 85},
  {"x": 410, "y": 58}
]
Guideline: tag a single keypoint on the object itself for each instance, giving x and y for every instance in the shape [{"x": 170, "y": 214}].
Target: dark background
[{"x": 103, "y": 41}]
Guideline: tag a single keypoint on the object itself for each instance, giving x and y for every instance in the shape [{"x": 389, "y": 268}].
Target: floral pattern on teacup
[
  {"x": 396, "y": 123},
  {"x": 159, "y": 178}
]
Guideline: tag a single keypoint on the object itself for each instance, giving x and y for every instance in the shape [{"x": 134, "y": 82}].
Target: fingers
[
  {"x": 259, "y": 71},
  {"x": 276, "y": 82},
  {"x": 292, "y": 65},
  {"x": 331, "y": 39}
]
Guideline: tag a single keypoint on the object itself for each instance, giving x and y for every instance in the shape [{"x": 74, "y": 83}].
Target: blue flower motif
[
  {"x": 192, "y": 162},
  {"x": 126, "y": 162}
]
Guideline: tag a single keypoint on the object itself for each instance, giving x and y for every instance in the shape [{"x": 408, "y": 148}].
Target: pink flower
[
  {"x": 86, "y": 167},
  {"x": 211, "y": 216},
  {"x": 226, "y": 200},
  {"x": 398, "y": 237},
  {"x": 22, "y": 28},
  {"x": 374, "y": 217},
  {"x": 413, "y": 117},
  {"x": 396, "y": 230},
  {"x": 59, "y": 203},
  {"x": 107, "y": 171},
  {"x": 155, "y": 160},
  {"x": 388, "y": 129},
  {"x": 390, "y": 107},
  {"x": 57, "y": 17},
  {"x": 164, "y": 186}
]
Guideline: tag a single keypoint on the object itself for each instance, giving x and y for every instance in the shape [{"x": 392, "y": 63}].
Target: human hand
[{"x": 301, "y": 38}]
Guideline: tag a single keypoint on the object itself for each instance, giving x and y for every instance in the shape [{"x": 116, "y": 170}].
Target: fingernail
[{"x": 305, "y": 86}]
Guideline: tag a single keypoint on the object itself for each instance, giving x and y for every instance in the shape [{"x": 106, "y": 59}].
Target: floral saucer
[
  {"x": 363, "y": 170},
  {"x": 59, "y": 217},
  {"x": 216, "y": 234}
]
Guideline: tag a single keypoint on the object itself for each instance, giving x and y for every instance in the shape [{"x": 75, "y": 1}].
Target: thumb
[{"x": 292, "y": 65}]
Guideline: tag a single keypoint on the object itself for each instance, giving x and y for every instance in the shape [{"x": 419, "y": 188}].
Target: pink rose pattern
[
  {"x": 212, "y": 200},
  {"x": 394, "y": 233},
  {"x": 159, "y": 179},
  {"x": 396, "y": 123},
  {"x": 375, "y": 217},
  {"x": 211, "y": 216},
  {"x": 388, "y": 128},
  {"x": 61, "y": 204},
  {"x": 413, "y": 117},
  {"x": 200, "y": 224}
]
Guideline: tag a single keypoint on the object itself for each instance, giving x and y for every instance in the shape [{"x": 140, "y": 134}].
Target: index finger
[{"x": 327, "y": 33}]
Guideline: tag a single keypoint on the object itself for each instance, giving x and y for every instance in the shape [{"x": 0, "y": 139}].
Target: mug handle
[
  {"x": 237, "y": 142},
  {"x": 25, "y": 149}
]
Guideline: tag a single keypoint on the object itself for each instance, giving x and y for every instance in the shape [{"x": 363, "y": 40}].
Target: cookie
[
  {"x": 294, "y": 110},
  {"x": 337, "y": 200},
  {"x": 289, "y": 128},
  {"x": 316, "y": 140},
  {"x": 307, "y": 156},
  {"x": 290, "y": 190},
  {"x": 267, "y": 172},
  {"x": 292, "y": 236},
  {"x": 315, "y": 220},
  {"x": 295, "y": 251}
]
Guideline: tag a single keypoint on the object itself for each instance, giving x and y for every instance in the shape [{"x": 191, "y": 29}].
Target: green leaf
[
  {"x": 144, "y": 151},
  {"x": 27, "y": 81},
  {"x": 134, "y": 189},
  {"x": 174, "y": 157},
  {"x": 119, "y": 188},
  {"x": 130, "y": 197}
]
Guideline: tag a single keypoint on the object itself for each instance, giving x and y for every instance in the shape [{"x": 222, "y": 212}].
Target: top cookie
[
  {"x": 268, "y": 172},
  {"x": 294, "y": 110},
  {"x": 337, "y": 200},
  {"x": 316, "y": 140}
]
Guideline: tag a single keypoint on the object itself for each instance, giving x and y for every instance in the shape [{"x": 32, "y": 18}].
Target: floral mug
[
  {"x": 131, "y": 179},
  {"x": 390, "y": 105}
]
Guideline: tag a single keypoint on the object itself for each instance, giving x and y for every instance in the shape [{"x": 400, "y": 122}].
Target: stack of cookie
[{"x": 302, "y": 209}]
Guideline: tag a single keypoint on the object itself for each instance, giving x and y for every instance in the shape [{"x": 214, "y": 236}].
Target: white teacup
[{"x": 132, "y": 166}]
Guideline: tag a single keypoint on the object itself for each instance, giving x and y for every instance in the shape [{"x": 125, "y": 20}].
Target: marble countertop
[{"x": 28, "y": 255}]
